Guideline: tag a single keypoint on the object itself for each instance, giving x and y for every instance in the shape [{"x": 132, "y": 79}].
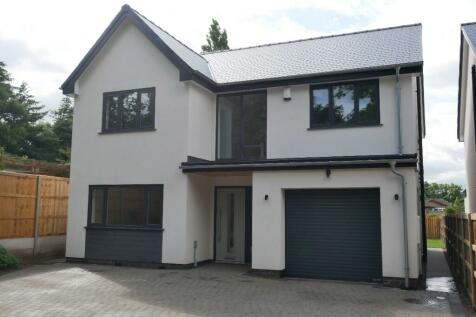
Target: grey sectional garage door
[{"x": 333, "y": 234}]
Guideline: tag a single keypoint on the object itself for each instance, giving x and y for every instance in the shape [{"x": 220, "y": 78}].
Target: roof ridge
[
  {"x": 137, "y": 12},
  {"x": 468, "y": 23},
  {"x": 312, "y": 38}
]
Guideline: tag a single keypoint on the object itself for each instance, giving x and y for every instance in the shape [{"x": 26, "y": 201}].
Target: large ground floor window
[{"x": 125, "y": 205}]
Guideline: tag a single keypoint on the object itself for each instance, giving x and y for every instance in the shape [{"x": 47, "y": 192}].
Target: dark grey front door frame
[{"x": 248, "y": 222}]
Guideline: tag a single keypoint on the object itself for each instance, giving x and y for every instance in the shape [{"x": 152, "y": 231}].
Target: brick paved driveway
[{"x": 65, "y": 289}]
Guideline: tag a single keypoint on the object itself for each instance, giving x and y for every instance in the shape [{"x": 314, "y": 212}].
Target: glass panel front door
[{"x": 230, "y": 225}]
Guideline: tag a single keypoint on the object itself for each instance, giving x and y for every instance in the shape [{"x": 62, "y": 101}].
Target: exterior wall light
[
  {"x": 266, "y": 197},
  {"x": 287, "y": 94}
]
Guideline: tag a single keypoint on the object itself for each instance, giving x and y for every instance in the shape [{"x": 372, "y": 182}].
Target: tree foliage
[
  {"x": 452, "y": 193},
  {"x": 217, "y": 39},
  {"x": 63, "y": 126},
  {"x": 23, "y": 130}
]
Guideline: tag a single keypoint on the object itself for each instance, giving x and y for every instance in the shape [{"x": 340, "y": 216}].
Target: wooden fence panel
[
  {"x": 18, "y": 201},
  {"x": 459, "y": 237},
  {"x": 433, "y": 226}
]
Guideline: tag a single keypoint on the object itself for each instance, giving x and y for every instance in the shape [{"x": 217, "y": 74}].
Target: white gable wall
[{"x": 128, "y": 61}]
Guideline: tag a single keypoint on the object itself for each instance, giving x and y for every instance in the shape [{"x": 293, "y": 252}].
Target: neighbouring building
[
  {"x": 436, "y": 205},
  {"x": 301, "y": 158}
]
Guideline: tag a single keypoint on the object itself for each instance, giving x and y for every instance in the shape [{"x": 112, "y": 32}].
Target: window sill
[
  {"x": 127, "y": 228},
  {"x": 127, "y": 131},
  {"x": 346, "y": 126}
]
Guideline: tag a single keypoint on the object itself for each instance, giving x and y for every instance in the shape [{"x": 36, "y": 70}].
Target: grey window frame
[
  {"x": 139, "y": 91},
  {"x": 147, "y": 190},
  {"x": 330, "y": 86},
  {"x": 241, "y": 95}
]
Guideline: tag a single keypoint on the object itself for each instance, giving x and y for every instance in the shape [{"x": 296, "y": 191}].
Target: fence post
[{"x": 37, "y": 215}]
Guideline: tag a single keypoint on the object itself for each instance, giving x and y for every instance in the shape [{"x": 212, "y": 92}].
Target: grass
[{"x": 434, "y": 243}]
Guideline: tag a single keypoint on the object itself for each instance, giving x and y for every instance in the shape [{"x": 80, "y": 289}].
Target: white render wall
[
  {"x": 469, "y": 134},
  {"x": 129, "y": 60},
  {"x": 202, "y": 117},
  {"x": 268, "y": 252},
  {"x": 295, "y": 140}
]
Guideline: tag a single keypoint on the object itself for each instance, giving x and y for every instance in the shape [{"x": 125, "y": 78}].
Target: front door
[{"x": 230, "y": 225}]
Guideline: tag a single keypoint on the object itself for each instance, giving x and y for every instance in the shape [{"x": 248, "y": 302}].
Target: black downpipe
[{"x": 420, "y": 105}]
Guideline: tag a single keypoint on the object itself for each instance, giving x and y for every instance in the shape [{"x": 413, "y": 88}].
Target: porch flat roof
[{"x": 195, "y": 165}]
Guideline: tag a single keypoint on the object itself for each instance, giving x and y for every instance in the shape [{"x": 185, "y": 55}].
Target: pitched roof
[
  {"x": 436, "y": 203},
  {"x": 469, "y": 31},
  {"x": 344, "y": 53},
  {"x": 189, "y": 56},
  {"x": 321, "y": 55}
]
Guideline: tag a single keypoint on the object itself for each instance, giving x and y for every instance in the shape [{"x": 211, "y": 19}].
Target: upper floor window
[
  {"x": 128, "y": 110},
  {"x": 241, "y": 126},
  {"x": 345, "y": 104}
]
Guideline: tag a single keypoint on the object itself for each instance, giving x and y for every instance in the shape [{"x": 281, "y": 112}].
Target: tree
[
  {"x": 216, "y": 39},
  {"x": 452, "y": 193},
  {"x": 63, "y": 127},
  {"x": 21, "y": 128}
]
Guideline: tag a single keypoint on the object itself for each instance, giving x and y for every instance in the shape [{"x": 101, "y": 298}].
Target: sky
[{"x": 42, "y": 42}]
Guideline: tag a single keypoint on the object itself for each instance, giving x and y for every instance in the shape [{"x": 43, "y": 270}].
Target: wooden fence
[
  {"x": 459, "y": 237},
  {"x": 32, "y": 203},
  {"x": 433, "y": 226}
]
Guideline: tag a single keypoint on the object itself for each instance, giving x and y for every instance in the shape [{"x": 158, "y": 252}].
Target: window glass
[
  {"x": 112, "y": 113},
  {"x": 320, "y": 106},
  {"x": 242, "y": 126},
  {"x": 146, "y": 117},
  {"x": 155, "y": 206},
  {"x": 343, "y": 110},
  {"x": 133, "y": 206},
  {"x": 367, "y": 103},
  {"x": 129, "y": 109},
  {"x": 97, "y": 205},
  {"x": 254, "y": 126},
  {"x": 350, "y": 104},
  {"x": 114, "y": 216},
  {"x": 229, "y": 125}
]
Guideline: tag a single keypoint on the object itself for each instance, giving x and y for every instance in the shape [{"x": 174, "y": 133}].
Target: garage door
[{"x": 334, "y": 234}]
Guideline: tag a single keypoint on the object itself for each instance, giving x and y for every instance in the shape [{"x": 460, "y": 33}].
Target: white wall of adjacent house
[
  {"x": 297, "y": 140},
  {"x": 268, "y": 217},
  {"x": 469, "y": 132},
  {"x": 128, "y": 61}
]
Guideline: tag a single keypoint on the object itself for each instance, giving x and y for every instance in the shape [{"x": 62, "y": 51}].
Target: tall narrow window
[
  {"x": 241, "y": 126},
  {"x": 129, "y": 110}
]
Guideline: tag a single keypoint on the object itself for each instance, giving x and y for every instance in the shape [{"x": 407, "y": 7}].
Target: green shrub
[
  {"x": 450, "y": 210},
  {"x": 7, "y": 260}
]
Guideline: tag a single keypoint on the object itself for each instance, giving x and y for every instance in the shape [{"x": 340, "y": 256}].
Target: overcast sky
[{"x": 42, "y": 42}]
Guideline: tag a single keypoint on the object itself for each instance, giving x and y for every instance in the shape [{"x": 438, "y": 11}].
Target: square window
[{"x": 129, "y": 110}]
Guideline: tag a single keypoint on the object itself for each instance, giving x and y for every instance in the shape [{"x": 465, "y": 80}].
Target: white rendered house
[
  {"x": 466, "y": 109},
  {"x": 300, "y": 158}
]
